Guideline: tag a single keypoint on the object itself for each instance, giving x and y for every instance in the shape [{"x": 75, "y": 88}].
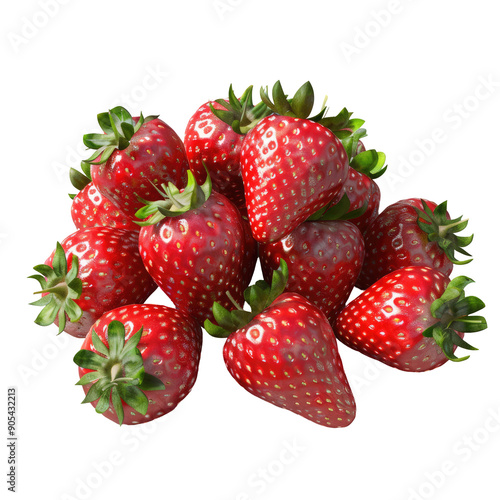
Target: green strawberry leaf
[
  {"x": 259, "y": 296},
  {"x": 452, "y": 311},
  {"x": 174, "y": 201},
  {"x": 440, "y": 229},
  {"x": 151, "y": 383},
  {"x": 61, "y": 288},
  {"x": 119, "y": 127},
  {"x": 117, "y": 372},
  {"x": 134, "y": 397}
]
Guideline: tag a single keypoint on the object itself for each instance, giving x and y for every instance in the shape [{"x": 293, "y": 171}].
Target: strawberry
[
  {"x": 324, "y": 259},
  {"x": 91, "y": 209},
  {"x": 412, "y": 232},
  {"x": 360, "y": 189},
  {"x": 139, "y": 362},
  {"x": 285, "y": 353},
  {"x": 213, "y": 144},
  {"x": 411, "y": 319},
  {"x": 92, "y": 271},
  {"x": 291, "y": 166},
  {"x": 132, "y": 156},
  {"x": 195, "y": 246},
  {"x": 364, "y": 167}
]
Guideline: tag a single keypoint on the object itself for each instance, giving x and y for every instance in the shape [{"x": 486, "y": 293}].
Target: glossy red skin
[
  {"x": 287, "y": 355},
  {"x": 386, "y": 321},
  {"x": 291, "y": 168},
  {"x": 111, "y": 271},
  {"x": 91, "y": 209},
  {"x": 170, "y": 346},
  {"x": 212, "y": 142},
  {"x": 195, "y": 258},
  {"x": 156, "y": 154},
  {"x": 324, "y": 260},
  {"x": 360, "y": 189},
  {"x": 394, "y": 241}
]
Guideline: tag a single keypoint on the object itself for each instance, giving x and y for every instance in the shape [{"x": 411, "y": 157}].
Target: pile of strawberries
[{"x": 249, "y": 182}]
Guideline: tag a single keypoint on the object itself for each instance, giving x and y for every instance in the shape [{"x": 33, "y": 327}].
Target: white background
[{"x": 416, "y": 72}]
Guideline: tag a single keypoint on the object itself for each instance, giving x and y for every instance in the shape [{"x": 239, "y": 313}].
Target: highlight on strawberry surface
[{"x": 269, "y": 180}]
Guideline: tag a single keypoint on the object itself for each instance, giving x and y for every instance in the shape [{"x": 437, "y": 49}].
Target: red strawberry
[
  {"x": 324, "y": 259},
  {"x": 139, "y": 362},
  {"x": 411, "y": 319},
  {"x": 412, "y": 232},
  {"x": 132, "y": 155},
  {"x": 92, "y": 271},
  {"x": 91, "y": 209},
  {"x": 210, "y": 142},
  {"x": 360, "y": 187},
  {"x": 291, "y": 166},
  {"x": 360, "y": 190},
  {"x": 213, "y": 144},
  {"x": 194, "y": 246},
  {"x": 285, "y": 353}
]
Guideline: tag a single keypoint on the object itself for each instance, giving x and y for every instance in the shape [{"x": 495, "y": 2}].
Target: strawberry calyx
[
  {"x": 339, "y": 211},
  {"x": 119, "y": 127},
  {"x": 175, "y": 202},
  {"x": 258, "y": 296},
  {"x": 453, "y": 311},
  {"x": 347, "y": 129},
  {"x": 441, "y": 229},
  {"x": 117, "y": 372},
  {"x": 370, "y": 162},
  {"x": 299, "y": 106},
  {"x": 61, "y": 288},
  {"x": 240, "y": 114}
]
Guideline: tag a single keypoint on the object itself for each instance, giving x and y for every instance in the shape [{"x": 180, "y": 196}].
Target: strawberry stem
[
  {"x": 233, "y": 301},
  {"x": 443, "y": 229},
  {"x": 115, "y": 370}
]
